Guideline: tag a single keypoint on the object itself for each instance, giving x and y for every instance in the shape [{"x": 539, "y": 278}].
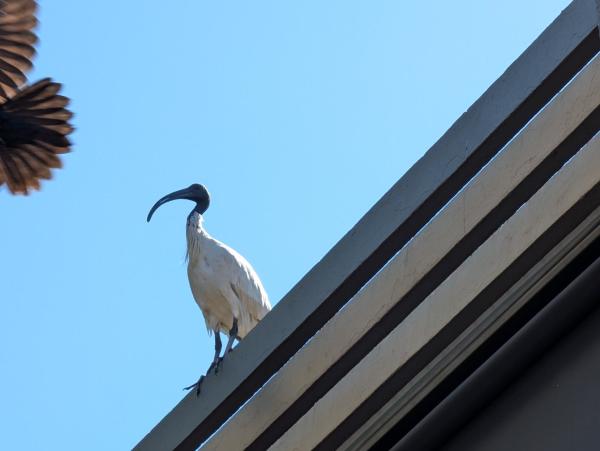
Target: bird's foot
[
  {"x": 218, "y": 364},
  {"x": 198, "y": 386},
  {"x": 213, "y": 366}
]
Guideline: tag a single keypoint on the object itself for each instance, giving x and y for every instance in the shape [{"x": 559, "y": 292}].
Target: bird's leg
[
  {"x": 232, "y": 336},
  {"x": 218, "y": 345},
  {"x": 214, "y": 364}
]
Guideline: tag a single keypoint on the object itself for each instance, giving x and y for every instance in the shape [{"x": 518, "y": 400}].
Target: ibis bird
[
  {"x": 225, "y": 286},
  {"x": 34, "y": 120}
]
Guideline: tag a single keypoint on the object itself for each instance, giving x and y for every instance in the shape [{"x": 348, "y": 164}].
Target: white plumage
[{"x": 224, "y": 284}]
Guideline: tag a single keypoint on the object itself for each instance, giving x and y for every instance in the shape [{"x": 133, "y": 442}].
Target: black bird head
[{"x": 196, "y": 193}]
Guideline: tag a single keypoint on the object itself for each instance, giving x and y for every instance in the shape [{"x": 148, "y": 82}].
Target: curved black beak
[
  {"x": 195, "y": 192},
  {"x": 180, "y": 194}
]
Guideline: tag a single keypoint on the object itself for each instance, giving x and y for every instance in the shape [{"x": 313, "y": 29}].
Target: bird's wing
[
  {"x": 34, "y": 129},
  {"x": 247, "y": 287},
  {"x": 17, "y": 21}
]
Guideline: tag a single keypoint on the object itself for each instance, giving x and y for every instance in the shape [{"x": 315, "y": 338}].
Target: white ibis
[
  {"x": 224, "y": 285},
  {"x": 34, "y": 120}
]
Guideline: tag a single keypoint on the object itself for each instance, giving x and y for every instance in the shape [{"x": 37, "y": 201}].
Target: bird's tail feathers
[{"x": 37, "y": 123}]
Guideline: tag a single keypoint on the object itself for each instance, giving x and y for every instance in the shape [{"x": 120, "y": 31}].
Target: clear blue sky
[{"x": 297, "y": 116}]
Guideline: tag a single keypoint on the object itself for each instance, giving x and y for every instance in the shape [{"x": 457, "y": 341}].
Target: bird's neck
[
  {"x": 195, "y": 221},
  {"x": 196, "y": 236}
]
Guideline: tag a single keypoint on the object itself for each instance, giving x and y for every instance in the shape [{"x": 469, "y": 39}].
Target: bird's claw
[
  {"x": 215, "y": 365},
  {"x": 198, "y": 386}
]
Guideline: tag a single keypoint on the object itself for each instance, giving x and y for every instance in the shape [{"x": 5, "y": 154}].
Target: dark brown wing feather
[
  {"x": 34, "y": 125},
  {"x": 17, "y": 21},
  {"x": 34, "y": 121}
]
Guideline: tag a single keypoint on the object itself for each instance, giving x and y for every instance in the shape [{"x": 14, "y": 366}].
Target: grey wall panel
[{"x": 555, "y": 406}]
